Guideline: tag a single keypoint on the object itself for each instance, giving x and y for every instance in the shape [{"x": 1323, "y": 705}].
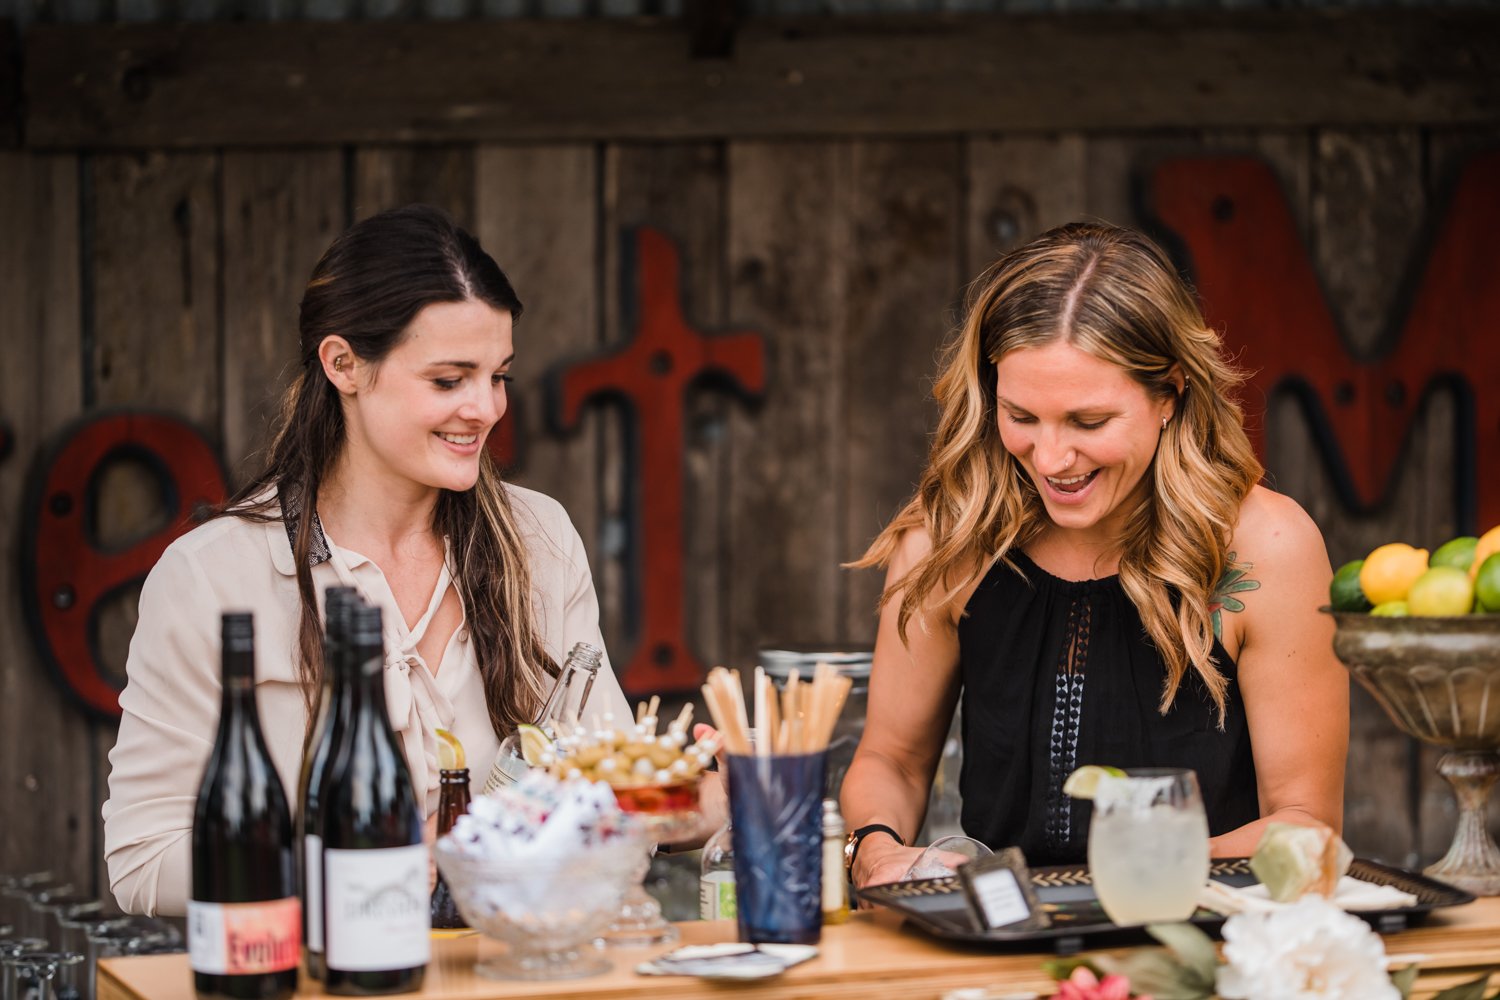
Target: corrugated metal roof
[{"x": 82, "y": 11}]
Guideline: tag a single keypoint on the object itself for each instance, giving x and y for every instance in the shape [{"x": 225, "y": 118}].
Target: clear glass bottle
[
  {"x": 835, "y": 885},
  {"x": 716, "y": 900},
  {"x": 563, "y": 708}
]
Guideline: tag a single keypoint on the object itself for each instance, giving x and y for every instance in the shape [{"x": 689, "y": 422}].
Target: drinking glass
[
  {"x": 776, "y": 810},
  {"x": 16, "y": 892},
  {"x": 47, "y": 906},
  {"x": 1148, "y": 845},
  {"x": 40, "y": 975},
  {"x": 944, "y": 856}
]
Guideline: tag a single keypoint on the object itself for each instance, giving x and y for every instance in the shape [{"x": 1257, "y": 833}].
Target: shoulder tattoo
[{"x": 1236, "y": 580}]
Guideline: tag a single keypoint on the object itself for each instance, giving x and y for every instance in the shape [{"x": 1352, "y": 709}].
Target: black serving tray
[{"x": 1066, "y": 893}]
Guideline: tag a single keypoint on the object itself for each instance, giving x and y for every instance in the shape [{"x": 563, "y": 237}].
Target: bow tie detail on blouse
[{"x": 416, "y": 707}]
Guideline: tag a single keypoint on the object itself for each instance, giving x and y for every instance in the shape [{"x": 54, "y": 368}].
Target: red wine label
[
  {"x": 244, "y": 939},
  {"x": 377, "y": 909}
]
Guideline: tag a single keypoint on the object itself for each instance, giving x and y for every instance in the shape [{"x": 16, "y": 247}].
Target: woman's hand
[{"x": 881, "y": 860}]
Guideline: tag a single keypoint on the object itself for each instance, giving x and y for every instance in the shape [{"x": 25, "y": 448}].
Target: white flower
[{"x": 1310, "y": 949}]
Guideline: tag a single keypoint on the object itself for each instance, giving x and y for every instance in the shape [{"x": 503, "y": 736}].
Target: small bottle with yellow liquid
[{"x": 835, "y": 888}]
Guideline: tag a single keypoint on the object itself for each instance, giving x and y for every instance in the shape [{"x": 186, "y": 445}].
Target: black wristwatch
[{"x": 857, "y": 837}]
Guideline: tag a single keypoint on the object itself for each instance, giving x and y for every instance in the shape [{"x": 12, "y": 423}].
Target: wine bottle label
[
  {"x": 244, "y": 939},
  {"x": 313, "y": 866},
  {"x": 377, "y": 908},
  {"x": 716, "y": 896}
]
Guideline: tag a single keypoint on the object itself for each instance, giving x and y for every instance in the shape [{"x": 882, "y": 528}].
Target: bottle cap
[
  {"x": 585, "y": 656},
  {"x": 237, "y": 631},
  {"x": 833, "y": 820}
]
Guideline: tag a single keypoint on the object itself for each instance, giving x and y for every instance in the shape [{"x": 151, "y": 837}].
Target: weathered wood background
[{"x": 169, "y": 278}]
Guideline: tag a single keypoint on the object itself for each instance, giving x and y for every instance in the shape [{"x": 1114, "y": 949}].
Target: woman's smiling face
[
  {"x": 1084, "y": 431},
  {"x": 423, "y": 414}
]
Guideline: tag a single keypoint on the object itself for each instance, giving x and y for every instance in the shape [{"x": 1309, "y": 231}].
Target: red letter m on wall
[{"x": 1258, "y": 286}]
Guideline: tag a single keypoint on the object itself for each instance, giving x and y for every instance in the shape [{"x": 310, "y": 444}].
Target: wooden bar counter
[{"x": 870, "y": 957}]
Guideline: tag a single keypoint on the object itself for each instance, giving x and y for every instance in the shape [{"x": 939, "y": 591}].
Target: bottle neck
[
  {"x": 453, "y": 800},
  {"x": 577, "y": 677},
  {"x": 365, "y": 677},
  {"x": 553, "y": 706},
  {"x": 238, "y": 683}
]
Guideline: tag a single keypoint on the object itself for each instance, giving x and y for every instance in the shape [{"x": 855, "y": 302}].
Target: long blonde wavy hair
[{"x": 1115, "y": 294}]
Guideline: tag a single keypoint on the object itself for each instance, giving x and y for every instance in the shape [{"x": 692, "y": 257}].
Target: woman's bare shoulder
[
  {"x": 1273, "y": 528},
  {"x": 1278, "y": 552}
]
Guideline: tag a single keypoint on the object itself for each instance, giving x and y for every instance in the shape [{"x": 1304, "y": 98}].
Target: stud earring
[
  {"x": 338, "y": 363},
  {"x": 1163, "y": 423}
]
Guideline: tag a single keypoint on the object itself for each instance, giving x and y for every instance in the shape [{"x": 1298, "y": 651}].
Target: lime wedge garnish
[
  {"x": 450, "y": 752},
  {"x": 1084, "y": 782},
  {"x": 534, "y": 743}
]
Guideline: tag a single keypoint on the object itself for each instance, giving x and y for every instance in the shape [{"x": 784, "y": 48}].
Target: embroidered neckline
[{"x": 291, "y": 519}]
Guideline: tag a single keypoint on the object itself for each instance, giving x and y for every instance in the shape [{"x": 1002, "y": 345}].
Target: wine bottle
[
  {"x": 375, "y": 926},
  {"x": 244, "y": 918},
  {"x": 453, "y": 802},
  {"x": 333, "y": 714},
  {"x": 560, "y": 709}
]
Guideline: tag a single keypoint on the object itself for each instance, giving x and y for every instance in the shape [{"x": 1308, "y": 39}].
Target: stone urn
[{"x": 1439, "y": 679}]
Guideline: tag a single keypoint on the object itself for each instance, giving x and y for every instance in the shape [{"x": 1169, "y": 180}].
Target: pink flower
[{"x": 1084, "y": 985}]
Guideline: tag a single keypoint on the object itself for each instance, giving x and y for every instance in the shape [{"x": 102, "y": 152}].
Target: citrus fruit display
[
  {"x": 1458, "y": 553},
  {"x": 1487, "y": 585},
  {"x": 1344, "y": 593},
  {"x": 1390, "y": 570},
  {"x": 1488, "y": 545},
  {"x": 1441, "y": 591},
  {"x": 1461, "y": 577}
]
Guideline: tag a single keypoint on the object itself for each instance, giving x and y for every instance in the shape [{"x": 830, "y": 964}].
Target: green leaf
[
  {"x": 1466, "y": 991},
  {"x": 1062, "y": 968},
  {"x": 1193, "y": 948},
  {"x": 1159, "y": 973},
  {"x": 1405, "y": 979}
]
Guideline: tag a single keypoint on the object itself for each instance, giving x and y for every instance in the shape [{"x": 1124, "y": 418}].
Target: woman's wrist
[{"x": 875, "y": 847}]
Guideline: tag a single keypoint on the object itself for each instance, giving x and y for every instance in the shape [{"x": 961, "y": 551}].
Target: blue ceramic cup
[{"x": 776, "y": 809}]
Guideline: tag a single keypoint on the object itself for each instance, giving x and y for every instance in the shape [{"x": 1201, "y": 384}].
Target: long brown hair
[
  {"x": 1113, "y": 293},
  {"x": 367, "y": 288}
]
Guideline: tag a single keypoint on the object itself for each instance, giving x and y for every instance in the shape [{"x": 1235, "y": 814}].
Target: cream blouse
[{"x": 170, "y": 704}]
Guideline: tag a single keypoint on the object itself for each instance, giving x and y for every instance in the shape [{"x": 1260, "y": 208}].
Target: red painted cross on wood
[
  {"x": 653, "y": 371},
  {"x": 1260, "y": 289}
]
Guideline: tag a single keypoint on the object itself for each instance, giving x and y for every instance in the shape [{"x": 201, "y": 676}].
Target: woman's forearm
[
  {"x": 878, "y": 790},
  {"x": 1241, "y": 842}
]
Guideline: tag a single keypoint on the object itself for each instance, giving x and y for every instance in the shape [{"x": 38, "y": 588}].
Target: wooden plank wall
[{"x": 171, "y": 280}]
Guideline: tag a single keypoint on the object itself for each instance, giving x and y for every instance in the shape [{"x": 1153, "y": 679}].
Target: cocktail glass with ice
[{"x": 1148, "y": 845}]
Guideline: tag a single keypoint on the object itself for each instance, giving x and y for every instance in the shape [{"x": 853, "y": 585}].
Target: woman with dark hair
[
  {"x": 378, "y": 479},
  {"x": 1089, "y": 563}
]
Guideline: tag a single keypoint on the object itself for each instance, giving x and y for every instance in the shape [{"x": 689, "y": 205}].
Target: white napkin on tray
[{"x": 1350, "y": 894}]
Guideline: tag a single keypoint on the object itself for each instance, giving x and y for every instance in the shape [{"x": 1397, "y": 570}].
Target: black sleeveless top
[{"x": 1032, "y": 712}]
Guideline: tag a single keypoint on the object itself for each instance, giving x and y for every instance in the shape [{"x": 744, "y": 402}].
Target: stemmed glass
[
  {"x": 40, "y": 975},
  {"x": 670, "y": 814},
  {"x": 1148, "y": 845}
]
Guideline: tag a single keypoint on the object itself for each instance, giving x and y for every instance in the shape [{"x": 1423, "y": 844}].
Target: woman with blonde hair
[
  {"x": 379, "y": 480},
  {"x": 1090, "y": 565}
]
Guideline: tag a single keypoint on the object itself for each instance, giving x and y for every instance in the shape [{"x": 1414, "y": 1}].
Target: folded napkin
[
  {"x": 728, "y": 961},
  {"x": 1350, "y": 894}
]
